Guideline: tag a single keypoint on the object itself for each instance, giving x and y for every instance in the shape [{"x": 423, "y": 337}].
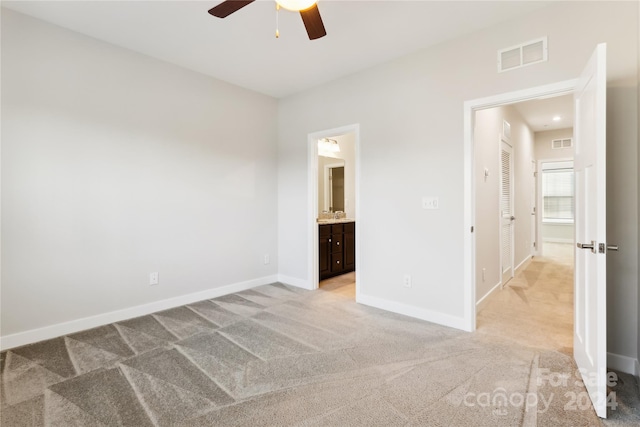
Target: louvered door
[{"x": 506, "y": 211}]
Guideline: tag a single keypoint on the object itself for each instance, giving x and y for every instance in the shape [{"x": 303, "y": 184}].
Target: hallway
[{"x": 535, "y": 308}]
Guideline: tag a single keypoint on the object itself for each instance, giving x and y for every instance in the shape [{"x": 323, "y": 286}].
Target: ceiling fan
[{"x": 308, "y": 11}]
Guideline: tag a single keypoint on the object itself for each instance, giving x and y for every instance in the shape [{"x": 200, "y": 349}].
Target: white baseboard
[
  {"x": 483, "y": 301},
  {"x": 412, "y": 311},
  {"x": 294, "y": 281},
  {"x": 524, "y": 264},
  {"x": 70, "y": 327},
  {"x": 625, "y": 364}
]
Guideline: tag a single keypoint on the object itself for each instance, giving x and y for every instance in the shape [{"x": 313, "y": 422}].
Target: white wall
[
  {"x": 543, "y": 150},
  {"x": 487, "y": 146},
  {"x": 417, "y": 102},
  {"x": 115, "y": 165}
]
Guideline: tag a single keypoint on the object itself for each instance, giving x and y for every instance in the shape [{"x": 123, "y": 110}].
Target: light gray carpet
[{"x": 280, "y": 356}]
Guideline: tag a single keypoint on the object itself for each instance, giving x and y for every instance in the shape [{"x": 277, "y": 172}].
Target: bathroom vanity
[{"x": 337, "y": 247}]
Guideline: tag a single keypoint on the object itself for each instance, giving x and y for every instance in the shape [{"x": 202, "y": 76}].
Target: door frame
[
  {"x": 312, "y": 200},
  {"x": 534, "y": 208},
  {"x": 470, "y": 107}
]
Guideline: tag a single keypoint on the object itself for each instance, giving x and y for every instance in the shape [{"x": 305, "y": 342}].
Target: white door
[
  {"x": 506, "y": 211},
  {"x": 590, "y": 299},
  {"x": 534, "y": 222}
]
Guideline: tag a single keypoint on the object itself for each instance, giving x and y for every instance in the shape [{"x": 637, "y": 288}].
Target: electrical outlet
[
  {"x": 484, "y": 270},
  {"x": 430, "y": 203},
  {"x": 266, "y": 259},
  {"x": 406, "y": 282},
  {"x": 154, "y": 278}
]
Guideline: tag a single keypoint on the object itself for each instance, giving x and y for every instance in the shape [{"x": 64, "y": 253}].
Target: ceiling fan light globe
[{"x": 296, "y": 5}]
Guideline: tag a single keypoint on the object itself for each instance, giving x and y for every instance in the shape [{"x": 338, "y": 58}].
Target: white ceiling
[
  {"x": 242, "y": 49},
  {"x": 539, "y": 113}
]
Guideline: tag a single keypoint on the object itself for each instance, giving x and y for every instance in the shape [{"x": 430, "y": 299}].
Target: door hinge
[{"x": 472, "y": 228}]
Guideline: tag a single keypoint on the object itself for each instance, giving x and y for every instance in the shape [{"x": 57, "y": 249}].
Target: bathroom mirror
[{"x": 331, "y": 184}]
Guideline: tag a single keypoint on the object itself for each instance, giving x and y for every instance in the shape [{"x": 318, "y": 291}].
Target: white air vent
[
  {"x": 522, "y": 55},
  {"x": 557, "y": 144}
]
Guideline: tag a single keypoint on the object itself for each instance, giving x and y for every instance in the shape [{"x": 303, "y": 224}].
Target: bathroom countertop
[{"x": 335, "y": 221}]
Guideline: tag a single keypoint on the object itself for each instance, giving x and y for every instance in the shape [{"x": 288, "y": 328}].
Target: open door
[{"x": 590, "y": 298}]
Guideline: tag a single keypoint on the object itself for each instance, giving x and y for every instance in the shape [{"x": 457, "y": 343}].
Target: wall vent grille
[
  {"x": 558, "y": 144},
  {"x": 524, "y": 54}
]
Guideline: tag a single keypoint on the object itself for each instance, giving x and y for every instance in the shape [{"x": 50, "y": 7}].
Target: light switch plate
[{"x": 430, "y": 203}]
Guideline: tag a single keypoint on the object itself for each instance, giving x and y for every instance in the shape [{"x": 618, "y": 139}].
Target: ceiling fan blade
[
  {"x": 227, "y": 7},
  {"x": 313, "y": 22}
]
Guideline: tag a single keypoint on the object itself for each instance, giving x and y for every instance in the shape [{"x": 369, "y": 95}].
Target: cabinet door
[
  {"x": 349, "y": 251},
  {"x": 337, "y": 263},
  {"x": 337, "y": 243},
  {"x": 324, "y": 251}
]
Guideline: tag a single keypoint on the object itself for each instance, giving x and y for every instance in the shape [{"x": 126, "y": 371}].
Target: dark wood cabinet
[
  {"x": 337, "y": 249},
  {"x": 324, "y": 239},
  {"x": 350, "y": 246}
]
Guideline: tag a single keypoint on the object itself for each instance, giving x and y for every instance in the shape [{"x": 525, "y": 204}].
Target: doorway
[
  {"x": 473, "y": 175},
  {"x": 333, "y": 214},
  {"x": 589, "y": 331},
  {"x": 512, "y": 279}
]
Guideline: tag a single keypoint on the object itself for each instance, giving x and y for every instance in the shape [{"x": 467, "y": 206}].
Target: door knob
[
  {"x": 602, "y": 246},
  {"x": 513, "y": 218},
  {"x": 591, "y": 246}
]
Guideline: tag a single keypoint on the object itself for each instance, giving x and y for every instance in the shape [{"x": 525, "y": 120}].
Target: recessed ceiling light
[{"x": 556, "y": 118}]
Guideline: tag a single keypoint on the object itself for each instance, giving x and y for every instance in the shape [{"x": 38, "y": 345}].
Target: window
[{"x": 557, "y": 192}]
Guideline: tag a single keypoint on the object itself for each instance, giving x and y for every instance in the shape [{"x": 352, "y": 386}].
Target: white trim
[
  {"x": 557, "y": 240},
  {"x": 523, "y": 264},
  {"x": 294, "y": 281},
  {"x": 483, "y": 301},
  {"x": 625, "y": 364},
  {"x": 65, "y": 328},
  {"x": 469, "y": 256},
  {"x": 312, "y": 198},
  {"x": 558, "y": 221},
  {"x": 413, "y": 311}
]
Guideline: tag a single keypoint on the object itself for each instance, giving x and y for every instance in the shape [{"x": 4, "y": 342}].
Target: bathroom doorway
[{"x": 333, "y": 211}]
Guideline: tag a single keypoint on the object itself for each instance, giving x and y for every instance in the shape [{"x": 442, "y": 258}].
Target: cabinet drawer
[
  {"x": 324, "y": 230},
  {"x": 337, "y": 228},
  {"x": 337, "y": 243},
  {"x": 337, "y": 263}
]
